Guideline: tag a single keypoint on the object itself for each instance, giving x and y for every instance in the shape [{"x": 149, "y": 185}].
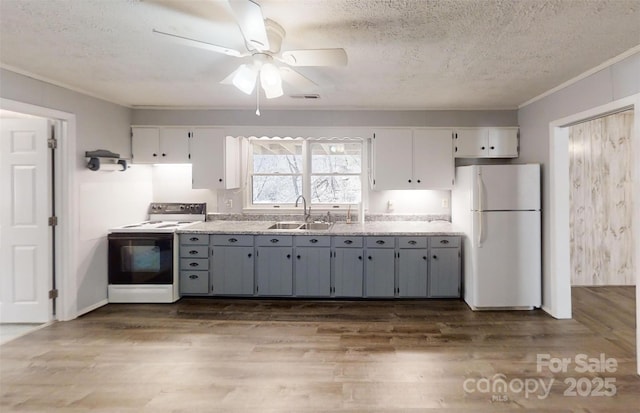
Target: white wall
[
  {"x": 104, "y": 199},
  {"x": 172, "y": 183},
  {"x": 612, "y": 83}
]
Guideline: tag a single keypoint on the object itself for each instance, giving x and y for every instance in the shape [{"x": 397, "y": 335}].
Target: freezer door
[
  {"x": 506, "y": 260},
  {"x": 506, "y": 187}
]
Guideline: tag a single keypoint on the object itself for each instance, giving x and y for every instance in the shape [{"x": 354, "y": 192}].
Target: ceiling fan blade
[
  {"x": 315, "y": 57},
  {"x": 298, "y": 81},
  {"x": 251, "y": 22},
  {"x": 199, "y": 44}
]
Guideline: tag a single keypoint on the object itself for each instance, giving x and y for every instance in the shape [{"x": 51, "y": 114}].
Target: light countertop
[{"x": 378, "y": 228}]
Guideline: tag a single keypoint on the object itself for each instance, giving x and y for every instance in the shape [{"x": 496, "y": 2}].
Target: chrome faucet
[{"x": 307, "y": 215}]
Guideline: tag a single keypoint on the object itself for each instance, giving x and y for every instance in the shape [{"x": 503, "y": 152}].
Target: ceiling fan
[{"x": 263, "y": 39}]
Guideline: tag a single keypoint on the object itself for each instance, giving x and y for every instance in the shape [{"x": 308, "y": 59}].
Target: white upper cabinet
[
  {"x": 160, "y": 145},
  {"x": 215, "y": 159},
  {"x": 406, "y": 158},
  {"x": 486, "y": 142}
]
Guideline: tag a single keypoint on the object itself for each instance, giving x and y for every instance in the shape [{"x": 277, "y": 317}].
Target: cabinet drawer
[
  {"x": 412, "y": 242},
  {"x": 380, "y": 242},
  {"x": 194, "y": 264},
  {"x": 311, "y": 241},
  {"x": 197, "y": 239},
  {"x": 274, "y": 240},
  {"x": 194, "y": 282},
  {"x": 444, "y": 242},
  {"x": 233, "y": 240},
  {"x": 194, "y": 251},
  {"x": 342, "y": 242}
]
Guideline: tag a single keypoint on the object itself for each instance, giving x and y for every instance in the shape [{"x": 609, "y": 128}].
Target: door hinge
[
  {"x": 53, "y": 294},
  {"x": 53, "y": 221},
  {"x": 52, "y": 143}
]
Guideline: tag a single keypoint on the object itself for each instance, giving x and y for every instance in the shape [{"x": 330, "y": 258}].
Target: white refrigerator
[{"x": 498, "y": 209}]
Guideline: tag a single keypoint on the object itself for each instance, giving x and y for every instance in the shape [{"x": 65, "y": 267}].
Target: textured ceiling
[{"x": 404, "y": 54}]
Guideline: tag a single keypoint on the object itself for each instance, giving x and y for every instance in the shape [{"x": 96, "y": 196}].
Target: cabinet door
[
  {"x": 145, "y": 145},
  {"x": 348, "y": 272},
  {"x": 215, "y": 159},
  {"x": 232, "y": 271},
  {"x": 433, "y": 162},
  {"x": 174, "y": 145},
  {"x": 312, "y": 271},
  {"x": 444, "y": 272},
  {"x": 392, "y": 159},
  {"x": 471, "y": 143},
  {"x": 194, "y": 282},
  {"x": 412, "y": 272},
  {"x": 274, "y": 270},
  {"x": 380, "y": 273},
  {"x": 503, "y": 142}
]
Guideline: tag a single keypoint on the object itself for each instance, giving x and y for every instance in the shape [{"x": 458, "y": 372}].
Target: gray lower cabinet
[
  {"x": 444, "y": 267},
  {"x": 380, "y": 267},
  {"x": 348, "y": 266},
  {"x": 194, "y": 264},
  {"x": 413, "y": 267},
  {"x": 232, "y": 265},
  {"x": 274, "y": 265},
  {"x": 312, "y": 266}
]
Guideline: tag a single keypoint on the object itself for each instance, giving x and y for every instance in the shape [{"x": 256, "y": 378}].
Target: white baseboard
[{"x": 92, "y": 307}]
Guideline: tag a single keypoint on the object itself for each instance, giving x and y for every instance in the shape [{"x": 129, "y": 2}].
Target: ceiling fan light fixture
[
  {"x": 271, "y": 81},
  {"x": 245, "y": 78}
]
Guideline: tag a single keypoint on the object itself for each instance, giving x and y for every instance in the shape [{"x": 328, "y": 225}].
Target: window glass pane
[
  {"x": 336, "y": 157},
  {"x": 335, "y": 189},
  {"x": 277, "y": 157},
  {"x": 276, "y": 189}
]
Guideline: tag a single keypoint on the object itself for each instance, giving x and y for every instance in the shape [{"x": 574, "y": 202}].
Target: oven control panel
[{"x": 177, "y": 208}]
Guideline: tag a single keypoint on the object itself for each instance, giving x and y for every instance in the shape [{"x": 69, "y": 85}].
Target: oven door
[{"x": 140, "y": 258}]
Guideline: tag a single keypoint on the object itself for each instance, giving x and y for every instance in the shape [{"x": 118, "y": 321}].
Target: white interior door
[{"x": 25, "y": 237}]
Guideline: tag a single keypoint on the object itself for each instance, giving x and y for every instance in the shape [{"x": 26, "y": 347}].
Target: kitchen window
[{"x": 327, "y": 172}]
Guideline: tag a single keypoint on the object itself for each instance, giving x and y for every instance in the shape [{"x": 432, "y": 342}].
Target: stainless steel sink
[
  {"x": 317, "y": 225},
  {"x": 286, "y": 225}
]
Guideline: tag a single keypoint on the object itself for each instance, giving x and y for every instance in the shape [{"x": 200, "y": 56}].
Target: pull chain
[{"x": 258, "y": 101}]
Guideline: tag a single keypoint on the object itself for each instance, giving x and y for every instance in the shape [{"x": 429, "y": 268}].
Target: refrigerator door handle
[{"x": 480, "y": 209}]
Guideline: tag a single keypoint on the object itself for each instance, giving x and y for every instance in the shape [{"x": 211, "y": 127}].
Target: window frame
[{"x": 250, "y": 206}]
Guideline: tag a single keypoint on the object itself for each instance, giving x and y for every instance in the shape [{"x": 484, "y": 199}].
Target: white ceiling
[{"x": 403, "y": 54}]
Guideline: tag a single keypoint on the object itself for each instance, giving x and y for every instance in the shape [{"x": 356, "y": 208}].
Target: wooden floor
[{"x": 214, "y": 355}]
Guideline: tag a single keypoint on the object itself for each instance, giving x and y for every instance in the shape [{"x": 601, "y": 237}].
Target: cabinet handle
[
  {"x": 288, "y": 255},
  {"x": 424, "y": 258},
  {"x": 444, "y": 241},
  {"x": 193, "y": 252},
  {"x": 370, "y": 258},
  {"x": 193, "y": 264},
  {"x": 193, "y": 277},
  {"x": 412, "y": 242},
  {"x": 492, "y": 147},
  {"x": 482, "y": 147},
  {"x": 298, "y": 257},
  {"x": 164, "y": 154},
  {"x": 409, "y": 181},
  {"x": 435, "y": 257},
  {"x": 220, "y": 180},
  {"x": 360, "y": 257},
  {"x": 348, "y": 241},
  {"x": 249, "y": 255},
  {"x": 274, "y": 240},
  {"x": 419, "y": 181},
  {"x": 233, "y": 240},
  {"x": 194, "y": 239},
  {"x": 379, "y": 242},
  {"x": 313, "y": 241},
  {"x": 155, "y": 154}
]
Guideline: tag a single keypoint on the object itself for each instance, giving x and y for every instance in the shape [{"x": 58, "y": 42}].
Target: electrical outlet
[
  {"x": 229, "y": 203},
  {"x": 445, "y": 202}
]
